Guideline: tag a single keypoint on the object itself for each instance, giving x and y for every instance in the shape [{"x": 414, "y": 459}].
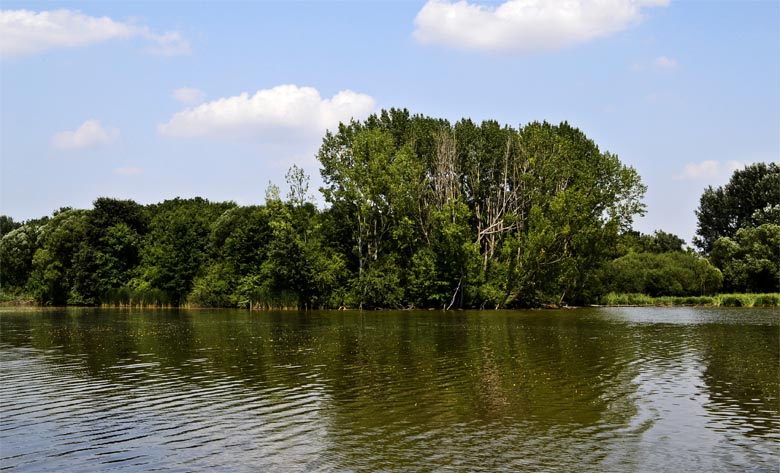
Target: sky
[{"x": 153, "y": 100}]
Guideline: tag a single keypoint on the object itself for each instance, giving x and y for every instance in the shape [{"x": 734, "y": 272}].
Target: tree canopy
[
  {"x": 493, "y": 216},
  {"x": 420, "y": 213},
  {"x": 750, "y": 198}
]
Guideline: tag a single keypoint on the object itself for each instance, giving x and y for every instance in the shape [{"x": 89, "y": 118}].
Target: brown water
[{"x": 635, "y": 389}]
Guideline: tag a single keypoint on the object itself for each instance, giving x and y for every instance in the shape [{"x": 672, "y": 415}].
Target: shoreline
[{"x": 746, "y": 300}]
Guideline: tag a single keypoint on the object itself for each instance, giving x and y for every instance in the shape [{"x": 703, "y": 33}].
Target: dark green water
[{"x": 639, "y": 389}]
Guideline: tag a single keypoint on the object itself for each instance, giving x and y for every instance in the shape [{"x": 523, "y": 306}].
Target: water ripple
[{"x": 411, "y": 392}]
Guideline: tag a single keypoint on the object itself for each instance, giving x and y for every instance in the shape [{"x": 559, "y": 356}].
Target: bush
[
  {"x": 665, "y": 274},
  {"x": 628, "y": 299},
  {"x": 767, "y": 300},
  {"x": 736, "y": 300}
]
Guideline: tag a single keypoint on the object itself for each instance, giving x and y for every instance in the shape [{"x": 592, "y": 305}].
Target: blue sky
[{"x": 143, "y": 100}]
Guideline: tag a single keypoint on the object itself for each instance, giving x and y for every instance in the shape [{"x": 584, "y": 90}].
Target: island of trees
[{"x": 419, "y": 213}]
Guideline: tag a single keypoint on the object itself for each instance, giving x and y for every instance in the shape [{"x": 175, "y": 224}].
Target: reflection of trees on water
[
  {"x": 377, "y": 381},
  {"x": 742, "y": 375},
  {"x": 430, "y": 366}
]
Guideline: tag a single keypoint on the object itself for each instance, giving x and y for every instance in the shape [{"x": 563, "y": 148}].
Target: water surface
[{"x": 629, "y": 389}]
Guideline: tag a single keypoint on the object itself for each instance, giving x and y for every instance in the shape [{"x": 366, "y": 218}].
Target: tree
[
  {"x": 751, "y": 260},
  {"x": 110, "y": 255},
  {"x": 7, "y": 224},
  {"x": 661, "y": 242},
  {"x": 53, "y": 266},
  {"x": 175, "y": 248},
  {"x": 536, "y": 209},
  {"x": 298, "y": 263},
  {"x": 662, "y": 274},
  {"x": 17, "y": 248},
  {"x": 750, "y": 198}
]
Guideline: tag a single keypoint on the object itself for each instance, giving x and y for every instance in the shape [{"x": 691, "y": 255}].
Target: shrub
[{"x": 767, "y": 300}]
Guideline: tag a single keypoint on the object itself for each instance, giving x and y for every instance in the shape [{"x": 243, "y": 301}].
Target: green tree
[
  {"x": 298, "y": 262},
  {"x": 175, "y": 249},
  {"x": 17, "y": 248},
  {"x": 237, "y": 247},
  {"x": 662, "y": 274},
  {"x": 750, "y": 198},
  {"x": 53, "y": 266},
  {"x": 751, "y": 260},
  {"x": 536, "y": 208},
  {"x": 7, "y": 224},
  {"x": 110, "y": 255}
]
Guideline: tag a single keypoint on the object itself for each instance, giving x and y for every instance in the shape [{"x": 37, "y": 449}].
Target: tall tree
[
  {"x": 7, "y": 224},
  {"x": 537, "y": 205},
  {"x": 111, "y": 252},
  {"x": 175, "y": 249},
  {"x": 751, "y": 260},
  {"x": 750, "y": 198},
  {"x": 17, "y": 248},
  {"x": 54, "y": 265}
]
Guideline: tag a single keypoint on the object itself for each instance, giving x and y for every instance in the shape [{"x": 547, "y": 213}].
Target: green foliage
[
  {"x": 377, "y": 287},
  {"x": 175, "y": 248},
  {"x": 723, "y": 300},
  {"x": 661, "y": 242},
  {"x": 7, "y": 225},
  {"x": 136, "y": 297},
  {"x": 616, "y": 299},
  {"x": 664, "y": 274},
  {"x": 767, "y": 300},
  {"x": 215, "y": 288},
  {"x": 55, "y": 265},
  {"x": 17, "y": 248},
  {"x": 750, "y": 262},
  {"x": 15, "y": 296},
  {"x": 751, "y": 198},
  {"x": 495, "y": 216},
  {"x": 736, "y": 300},
  {"x": 420, "y": 213}
]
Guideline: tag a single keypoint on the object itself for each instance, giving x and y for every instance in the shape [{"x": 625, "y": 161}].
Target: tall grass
[
  {"x": 15, "y": 296},
  {"x": 266, "y": 300},
  {"x": 722, "y": 300},
  {"x": 129, "y": 297}
]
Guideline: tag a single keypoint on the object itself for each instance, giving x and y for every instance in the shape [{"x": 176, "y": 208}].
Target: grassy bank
[
  {"x": 721, "y": 300},
  {"x": 8, "y": 298},
  {"x": 147, "y": 299}
]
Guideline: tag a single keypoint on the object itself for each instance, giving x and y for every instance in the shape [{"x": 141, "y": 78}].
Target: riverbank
[
  {"x": 610, "y": 300},
  {"x": 720, "y": 300},
  {"x": 13, "y": 299}
]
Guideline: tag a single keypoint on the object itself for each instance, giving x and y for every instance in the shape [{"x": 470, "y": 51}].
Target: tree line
[{"x": 419, "y": 213}]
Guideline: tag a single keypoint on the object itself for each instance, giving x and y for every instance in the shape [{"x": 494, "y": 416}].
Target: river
[{"x": 619, "y": 389}]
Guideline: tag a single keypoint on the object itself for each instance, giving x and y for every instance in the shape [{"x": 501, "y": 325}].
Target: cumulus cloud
[
  {"x": 189, "y": 95},
  {"x": 663, "y": 62},
  {"x": 128, "y": 171},
  {"x": 279, "y": 113},
  {"x": 26, "y": 32},
  {"x": 89, "y": 135},
  {"x": 523, "y": 26},
  {"x": 709, "y": 170}
]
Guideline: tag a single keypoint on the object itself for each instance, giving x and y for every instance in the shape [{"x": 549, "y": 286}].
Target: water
[{"x": 627, "y": 389}]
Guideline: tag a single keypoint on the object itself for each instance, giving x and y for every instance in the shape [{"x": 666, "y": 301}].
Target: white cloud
[
  {"x": 663, "y": 62},
  {"x": 276, "y": 114},
  {"x": 189, "y": 95},
  {"x": 170, "y": 43},
  {"x": 89, "y": 135},
  {"x": 128, "y": 171},
  {"x": 709, "y": 170},
  {"x": 26, "y": 32},
  {"x": 523, "y": 26}
]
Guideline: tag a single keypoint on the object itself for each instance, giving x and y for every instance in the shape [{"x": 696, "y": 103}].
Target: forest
[{"x": 419, "y": 213}]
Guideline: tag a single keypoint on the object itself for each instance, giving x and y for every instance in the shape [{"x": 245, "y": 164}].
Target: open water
[{"x": 623, "y": 389}]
